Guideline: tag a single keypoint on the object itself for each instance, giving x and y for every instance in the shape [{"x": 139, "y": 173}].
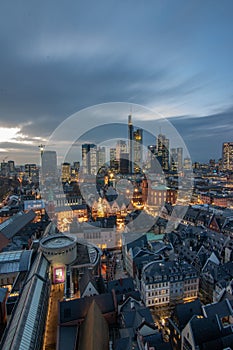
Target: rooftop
[
  {"x": 15, "y": 261},
  {"x": 14, "y": 224},
  {"x": 57, "y": 241},
  {"x": 25, "y": 326}
]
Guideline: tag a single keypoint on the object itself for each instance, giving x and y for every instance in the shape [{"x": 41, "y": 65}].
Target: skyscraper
[
  {"x": 180, "y": 158},
  {"x": 121, "y": 147},
  {"x": 89, "y": 159},
  {"x": 49, "y": 164},
  {"x": 124, "y": 163},
  {"x": 137, "y": 149},
  {"x": 176, "y": 159},
  {"x": 113, "y": 162},
  {"x": 65, "y": 172},
  {"x": 227, "y": 156},
  {"x": 163, "y": 151},
  {"x": 187, "y": 163},
  {"x": 173, "y": 159},
  {"x": 11, "y": 166},
  {"x": 101, "y": 157},
  {"x": 31, "y": 170},
  {"x": 130, "y": 140}
]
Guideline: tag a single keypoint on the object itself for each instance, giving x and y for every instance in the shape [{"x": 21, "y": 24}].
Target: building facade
[
  {"x": 227, "y": 156},
  {"x": 165, "y": 284},
  {"x": 49, "y": 164}
]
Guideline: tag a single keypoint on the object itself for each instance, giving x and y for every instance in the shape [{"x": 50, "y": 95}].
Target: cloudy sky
[{"x": 58, "y": 57}]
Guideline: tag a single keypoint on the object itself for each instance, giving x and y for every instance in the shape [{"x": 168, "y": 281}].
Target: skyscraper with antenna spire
[{"x": 130, "y": 140}]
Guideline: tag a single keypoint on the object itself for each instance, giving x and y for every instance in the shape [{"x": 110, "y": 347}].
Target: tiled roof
[
  {"x": 77, "y": 308},
  {"x": 12, "y": 226},
  {"x": 15, "y": 261}
]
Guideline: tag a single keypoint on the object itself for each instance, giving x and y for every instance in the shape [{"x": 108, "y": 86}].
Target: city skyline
[
  {"x": 172, "y": 152},
  {"x": 116, "y": 175},
  {"x": 178, "y": 62}
]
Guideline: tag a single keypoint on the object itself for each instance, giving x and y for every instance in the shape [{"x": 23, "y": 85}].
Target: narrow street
[{"x": 56, "y": 294}]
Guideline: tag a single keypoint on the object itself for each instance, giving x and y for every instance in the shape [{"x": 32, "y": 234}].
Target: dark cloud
[
  {"x": 204, "y": 135},
  {"x": 57, "y": 58}
]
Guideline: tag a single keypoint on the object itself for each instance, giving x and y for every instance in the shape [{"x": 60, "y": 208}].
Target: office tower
[
  {"x": 166, "y": 155},
  {"x": 180, "y": 158},
  {"x": 187, "y": 164},
  {"x": 173, "y": 159},
  {"x": 49, "y": 164},
  {"x": 93, "y": 159},
  {"x": 151, "y": 157},
  {"x": 163, "y": 151},
  {"x": 4, "y": 169},
  {"x": 137, "y": 149},
  {"x": 11, "y": 166},
  {"x": 65, "y": 172},
  {"x": 113, "y": 162},
  {"x": 130, "y": 143},
  {"x": 227, "y": 156},
  {"x": 121, "y": 147},
  {"x": 121, "y": 151},
  {"x": 89, "y": 159},
  {"x": 76, "y": 166},
  {"x": 30, "y": 170},
  {"x": 85, "y": 150},
  {"x": 101, "y": 157},
  {"x": 176, "y": 159},
  {"x": 124, "y": 163}
]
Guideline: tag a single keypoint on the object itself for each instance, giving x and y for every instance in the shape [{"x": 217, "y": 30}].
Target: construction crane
[{"x": 41, "y": 147}]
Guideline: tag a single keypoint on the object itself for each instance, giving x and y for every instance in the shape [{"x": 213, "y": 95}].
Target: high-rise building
[
  {"x": 180, "y": 157},
  {"x": 176, "y": 159},
  {"x": 163, "y": 151},
  {"x": 227, "y": 156},
  {"x": 76, "y": 165},
  {"x": 101, "y": 157},
  {"x": 130, "y": 145},
  {"x": 137, "y": 149},
  {"x": 31, "y": 170},
  {"x": 113, "y": 162},
  {"x": 89, "y": 159},
  {"x": 49, "y": 164},
  {"x": 4, "y": 170},
  {"x": 187, "y": 163},
  {"x": 93, "y": 160},
  {"x": 124, "y": 163},
  {"x": 65, "y": 172},
  {"x": 121, "y": 147},
  {"x": 7, "y": 168},
  {"x": 85, "y": 150},
  {"x": 11, "y": 166},
  {"x": 173, "y": 159},
  {"x": 151, "y": 158}
]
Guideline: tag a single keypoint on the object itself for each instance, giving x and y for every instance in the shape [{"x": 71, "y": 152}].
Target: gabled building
[
  {"x": 212, "y": 277},
  {"x": 94, "y": 332},
  {"x": 73, "y": 312},
  {"x": 212, "y": 330},
  {"x": 180, "y": 317},
  {"x": 165, "y": 284},
  {"x": 129, "y": 243},
  {"x": 88, "y": 285},
  {"x": 123, "y": 289}
]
